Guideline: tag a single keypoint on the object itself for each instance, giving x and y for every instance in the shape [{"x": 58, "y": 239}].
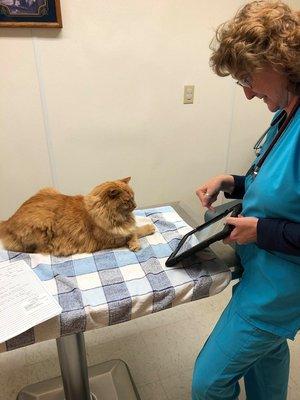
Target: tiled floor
[{"x": 160, "y": 350}]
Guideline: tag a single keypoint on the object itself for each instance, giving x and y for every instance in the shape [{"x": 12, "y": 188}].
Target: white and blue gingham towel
[{"x": 113, "y": 286}]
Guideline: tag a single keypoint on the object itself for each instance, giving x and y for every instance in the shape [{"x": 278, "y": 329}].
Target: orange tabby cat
[{"x": 54, "y": 223}]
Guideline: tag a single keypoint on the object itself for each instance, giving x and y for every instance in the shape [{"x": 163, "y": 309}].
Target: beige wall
[{"x": 102, "y": 99}]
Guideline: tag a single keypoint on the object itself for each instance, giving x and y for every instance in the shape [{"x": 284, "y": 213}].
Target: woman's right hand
[{"x": 209, "y": 191}]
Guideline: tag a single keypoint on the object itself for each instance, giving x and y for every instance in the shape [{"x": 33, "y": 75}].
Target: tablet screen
[{"x": 202, "y": 235}]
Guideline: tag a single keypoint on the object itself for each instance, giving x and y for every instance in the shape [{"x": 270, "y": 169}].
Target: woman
[{"x": 260, "y": 47}]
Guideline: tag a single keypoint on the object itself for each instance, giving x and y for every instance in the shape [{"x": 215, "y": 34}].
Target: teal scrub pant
[{"x": 237, "y": 349}]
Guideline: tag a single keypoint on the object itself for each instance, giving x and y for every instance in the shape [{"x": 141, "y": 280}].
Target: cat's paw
[
  {"x": 149, "y": 229},
  {"x": 134, "y": 245},
  {"x": 145, "y": 230}
]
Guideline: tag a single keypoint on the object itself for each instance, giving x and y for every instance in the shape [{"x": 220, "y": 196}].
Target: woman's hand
[
  {"x": 245, "y": 230},
  {"x": 209, "y": 191}
]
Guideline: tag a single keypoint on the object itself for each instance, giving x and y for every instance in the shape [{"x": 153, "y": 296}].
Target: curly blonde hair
[{"x": 262, "y": 33}]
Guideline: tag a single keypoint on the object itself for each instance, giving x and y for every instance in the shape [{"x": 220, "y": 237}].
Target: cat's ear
[
  {"x": 113, "y": 193},
  {"x": 126, "y": 180}
]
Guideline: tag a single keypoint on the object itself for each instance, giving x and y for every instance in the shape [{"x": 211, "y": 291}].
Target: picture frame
[{"x": 30, "y": 14}]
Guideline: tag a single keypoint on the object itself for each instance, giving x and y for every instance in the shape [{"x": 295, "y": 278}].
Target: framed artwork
[{"x": 30, "y": 13}]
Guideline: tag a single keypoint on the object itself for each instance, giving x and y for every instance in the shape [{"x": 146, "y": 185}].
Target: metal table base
[{"x": 107, "y": 381}]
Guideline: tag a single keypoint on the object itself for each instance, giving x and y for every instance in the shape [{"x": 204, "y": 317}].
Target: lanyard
[{"x": 254, "y": 169}]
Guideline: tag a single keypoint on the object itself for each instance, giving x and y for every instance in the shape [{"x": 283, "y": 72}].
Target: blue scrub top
[{"x": 268, "y": 295}]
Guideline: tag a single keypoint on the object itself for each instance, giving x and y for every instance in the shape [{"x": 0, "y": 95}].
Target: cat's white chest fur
[{"x": 1, "y": 245}]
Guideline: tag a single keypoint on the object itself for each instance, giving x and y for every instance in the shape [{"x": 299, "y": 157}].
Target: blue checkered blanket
[{"x": 112, "y": 286}]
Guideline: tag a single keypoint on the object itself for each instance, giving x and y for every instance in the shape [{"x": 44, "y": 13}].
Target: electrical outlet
[{"x": 188, "y": 94}]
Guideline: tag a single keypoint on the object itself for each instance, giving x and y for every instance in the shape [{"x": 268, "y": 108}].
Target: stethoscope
[
  {"x": 259, "y": 144},
  {"x": 282, "y": 120}
]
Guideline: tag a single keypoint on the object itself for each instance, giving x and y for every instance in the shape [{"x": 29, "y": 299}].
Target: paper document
[{"x": 24, "y": 300}]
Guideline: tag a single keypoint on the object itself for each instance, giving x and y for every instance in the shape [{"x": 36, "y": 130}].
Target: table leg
[
  {"x": 73, "y": 365},
  {"x": 110, "y": 380}
]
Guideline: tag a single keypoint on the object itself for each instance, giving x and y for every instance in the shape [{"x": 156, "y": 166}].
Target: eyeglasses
[{"x": 245, "y": 82}]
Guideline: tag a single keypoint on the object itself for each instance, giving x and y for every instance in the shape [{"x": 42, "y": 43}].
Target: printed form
[{"x": 24, "y": 300}]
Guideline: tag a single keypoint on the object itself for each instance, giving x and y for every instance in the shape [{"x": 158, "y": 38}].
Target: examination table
[{"x": 113, "y": 286}]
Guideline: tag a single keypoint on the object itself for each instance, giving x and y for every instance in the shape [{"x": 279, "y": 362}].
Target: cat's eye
[{"x": 114, "y": 193}]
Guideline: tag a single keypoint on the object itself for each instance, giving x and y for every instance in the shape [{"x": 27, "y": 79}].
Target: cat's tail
[
  {"x": 2, "y": 229},
  {"x": 1, "y": 234}
]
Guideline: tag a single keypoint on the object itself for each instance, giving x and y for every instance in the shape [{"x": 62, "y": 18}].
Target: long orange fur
[{"x": 53, "y": 223}]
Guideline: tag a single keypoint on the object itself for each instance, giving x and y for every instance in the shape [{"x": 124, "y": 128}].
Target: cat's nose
[{"x": 132, "y": 205}]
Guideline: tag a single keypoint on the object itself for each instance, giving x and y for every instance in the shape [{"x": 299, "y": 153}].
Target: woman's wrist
[{"x": 227, "y": 183}]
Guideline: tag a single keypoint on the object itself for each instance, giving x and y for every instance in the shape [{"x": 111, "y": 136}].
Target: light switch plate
[{"x": 188, "y": 94}]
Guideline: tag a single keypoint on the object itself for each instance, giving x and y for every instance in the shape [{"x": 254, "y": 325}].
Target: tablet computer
[{"x": 204, "y": 235}]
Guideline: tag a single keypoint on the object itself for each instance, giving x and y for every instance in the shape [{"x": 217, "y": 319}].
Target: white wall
[{"x": 102, "y": 99}]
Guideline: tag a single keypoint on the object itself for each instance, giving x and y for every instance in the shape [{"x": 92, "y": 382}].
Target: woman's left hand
[{"x": 245, "y": 230}]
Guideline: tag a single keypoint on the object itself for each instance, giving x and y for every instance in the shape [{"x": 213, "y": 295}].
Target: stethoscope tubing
[{"x": 283, "y": 121}]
